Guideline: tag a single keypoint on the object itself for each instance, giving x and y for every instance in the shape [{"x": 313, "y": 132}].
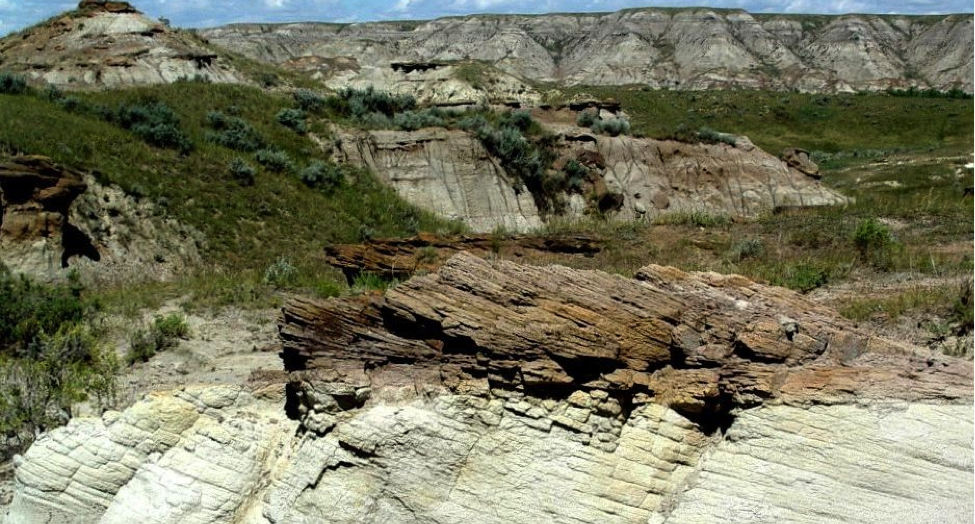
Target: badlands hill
[
  {"x": 107, "y": 44},
  {"x": 660, "y": 48}
]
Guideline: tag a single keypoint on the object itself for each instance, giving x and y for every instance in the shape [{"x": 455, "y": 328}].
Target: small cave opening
[{"x": 75, "y": 242}]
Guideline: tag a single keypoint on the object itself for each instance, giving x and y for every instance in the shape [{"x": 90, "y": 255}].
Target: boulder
[{"x": 799, "y": 160}]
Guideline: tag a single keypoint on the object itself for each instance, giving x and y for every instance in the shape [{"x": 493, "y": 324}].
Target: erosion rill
[{"x": 491, "y": 392}]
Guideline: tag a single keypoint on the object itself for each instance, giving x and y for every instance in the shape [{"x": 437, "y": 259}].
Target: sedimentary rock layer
[{"x": 684, "y": 49}]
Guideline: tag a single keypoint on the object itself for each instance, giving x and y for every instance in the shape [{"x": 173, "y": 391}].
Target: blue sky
[{"x": 16, "y": 14}]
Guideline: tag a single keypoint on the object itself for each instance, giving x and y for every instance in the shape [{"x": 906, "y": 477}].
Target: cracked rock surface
[{"x": 490, "y": 392}]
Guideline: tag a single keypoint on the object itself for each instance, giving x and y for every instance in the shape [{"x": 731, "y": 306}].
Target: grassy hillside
[
  {"x": 845, "y": 124},
  {"x": 248, "y": 226}
]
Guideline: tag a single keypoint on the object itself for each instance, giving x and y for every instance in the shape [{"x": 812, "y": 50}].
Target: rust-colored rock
[
  {"x": 106, "y": 6},
  {"x": 401, "y": 258},
  {"x": 702, "y": 343},
  {"x": 35, "y": 194}
]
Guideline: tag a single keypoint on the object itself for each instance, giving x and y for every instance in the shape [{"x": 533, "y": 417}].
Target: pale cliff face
[{"x": 686, "y": 49}]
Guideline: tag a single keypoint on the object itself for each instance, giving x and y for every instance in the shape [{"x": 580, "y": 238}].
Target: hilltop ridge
[{"x": 697, "y": 48}]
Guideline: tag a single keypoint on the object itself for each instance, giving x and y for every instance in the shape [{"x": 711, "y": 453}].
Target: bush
[
  {"x": 322, "y": 175},
  {"x": 172, "y": 326},
  {"x": 804, "y": 277},
  {"x": 963, "y": 310},
  {"x": 359, "y": 103},
  {"x": 309, "y": 100},
  {"x": 411, "y": 121},
  {"x": 367, "y": 281},
  {"x": 575, "y": 174},
  {"x": 274, "y": 160},
  {"x": 708, "y": 135},
  {"x": 156, "y": 123},
  {"x": 587, "y": 119},
  {"x": 12, "y": 84},
  {"x": 293, "y": 119},
  {"x": 473, "y": 123},
  {"x": 282, "y": 273},
  {"x": 695, "y": 218},
  {"x": 242, "y": 172},
  {"x": 233, "y": 133},
  {"x": 746, "y": 248},
  {"x": 50, "y": 356},
  {"x": 612, "y": 127},
  {"x": 876, "y": 245},
  {"x": 521, "y": 120}
]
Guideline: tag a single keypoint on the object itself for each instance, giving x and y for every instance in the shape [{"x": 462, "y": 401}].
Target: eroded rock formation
[
  {"x": 683, "y": 49},
  {"x": 490, "y": 392},
  {"x": 53, "y": 218},
  {"x": 450, "y": 173},
  {"x": 109, "y": 44}
]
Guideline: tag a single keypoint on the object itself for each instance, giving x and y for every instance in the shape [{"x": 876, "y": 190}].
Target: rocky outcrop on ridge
[
  {"x": 693, "y": 48},
  {"x": 53, "y": 218},
  {"x": 450, "y": 173},
  {"x": 490, "y": 392},
  {"x": 110, "y": 44}
]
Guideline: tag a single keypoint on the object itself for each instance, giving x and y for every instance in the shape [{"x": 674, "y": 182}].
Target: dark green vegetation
[
  {"x": 51, "y": 357},
  {"x": 161, "y": 335},
  {"x": 844, "y": 125},
  {"x": 243, "y": 181}
]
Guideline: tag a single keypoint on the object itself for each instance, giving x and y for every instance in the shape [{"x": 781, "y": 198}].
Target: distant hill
[
  {"x": 661, "y": 48},
  {"x": 110, "y": 44}
]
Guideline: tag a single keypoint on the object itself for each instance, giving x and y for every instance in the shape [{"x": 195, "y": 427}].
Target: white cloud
[{"x": 276, "y": 4}]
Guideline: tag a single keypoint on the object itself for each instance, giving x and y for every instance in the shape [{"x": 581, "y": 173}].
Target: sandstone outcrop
[
  {"x": 53, "y": 218},
  {"x": 489, "y": 392},
  {"x": 683, "y": 49},
  {"x": 450, "y": 173},
  {"x": 110, "y": 44},
  {"x": 35, "y": 197},
  {"x": 394, "y": 258}
]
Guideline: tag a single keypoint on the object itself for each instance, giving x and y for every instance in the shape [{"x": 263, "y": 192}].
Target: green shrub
[
  {"x": 274, "y": 160},
  {"x": 281, "y": 274},
  {"x": 358, "y": 103},
  {"x": 293, "y": 119},
  {"x": 367, "y": 281},
  {"x": 876, "y": 245},
  {"x": 708, "y": 135},
  {"x": 242, "y": 172},
  {"x": 172, "y": 325},
  {"x": 411, "y": 121},
  {"x": 802, "y": 276},
  {"x": 144, "y": 343},
  {"x": 322, "y": 175},
  {"x": 587, "y": 119},
  {"x": 521, "y": 120},
  {"x": 233, "y": 133},
  {"x": 963, "y": 310},
  {"x": 575, "y": 174},
  {"x": 156, "y": 123},
  {"x": 612, "y": 127},
  {"x": 472, "y": 123},
  {"x": 50, "y": 356},
  {"x": 309, "y": 100},
  {"x": 52, "y": 93},
  {"x": 695, "y": 218},
  {"x": 12, "y": 84},
  {"x": 746, "y": 248}
]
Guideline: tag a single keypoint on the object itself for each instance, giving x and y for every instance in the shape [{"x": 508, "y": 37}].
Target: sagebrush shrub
[
  {"x": 12, "y": 84},
  {"x": 274, "y": 160},
  {"x": 322, "y": 175},
  {"x": 242, "y": 172},
  {"x": 293, "y": 119}
]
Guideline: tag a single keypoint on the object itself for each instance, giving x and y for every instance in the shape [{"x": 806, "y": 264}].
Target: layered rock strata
[
  {"x": 661, "y": 48},
  {"x": 110, "y": 44},
  {"x": 450, "y": 173},
  {"x": 489, "y": 392}
]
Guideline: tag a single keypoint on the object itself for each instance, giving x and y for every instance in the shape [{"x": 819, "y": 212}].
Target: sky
[{"x": 17, "y": 14}]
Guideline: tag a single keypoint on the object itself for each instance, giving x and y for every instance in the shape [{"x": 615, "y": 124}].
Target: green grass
[
  {"x": 247, "y": 227},
  {"x": 831, "y": 123}
]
